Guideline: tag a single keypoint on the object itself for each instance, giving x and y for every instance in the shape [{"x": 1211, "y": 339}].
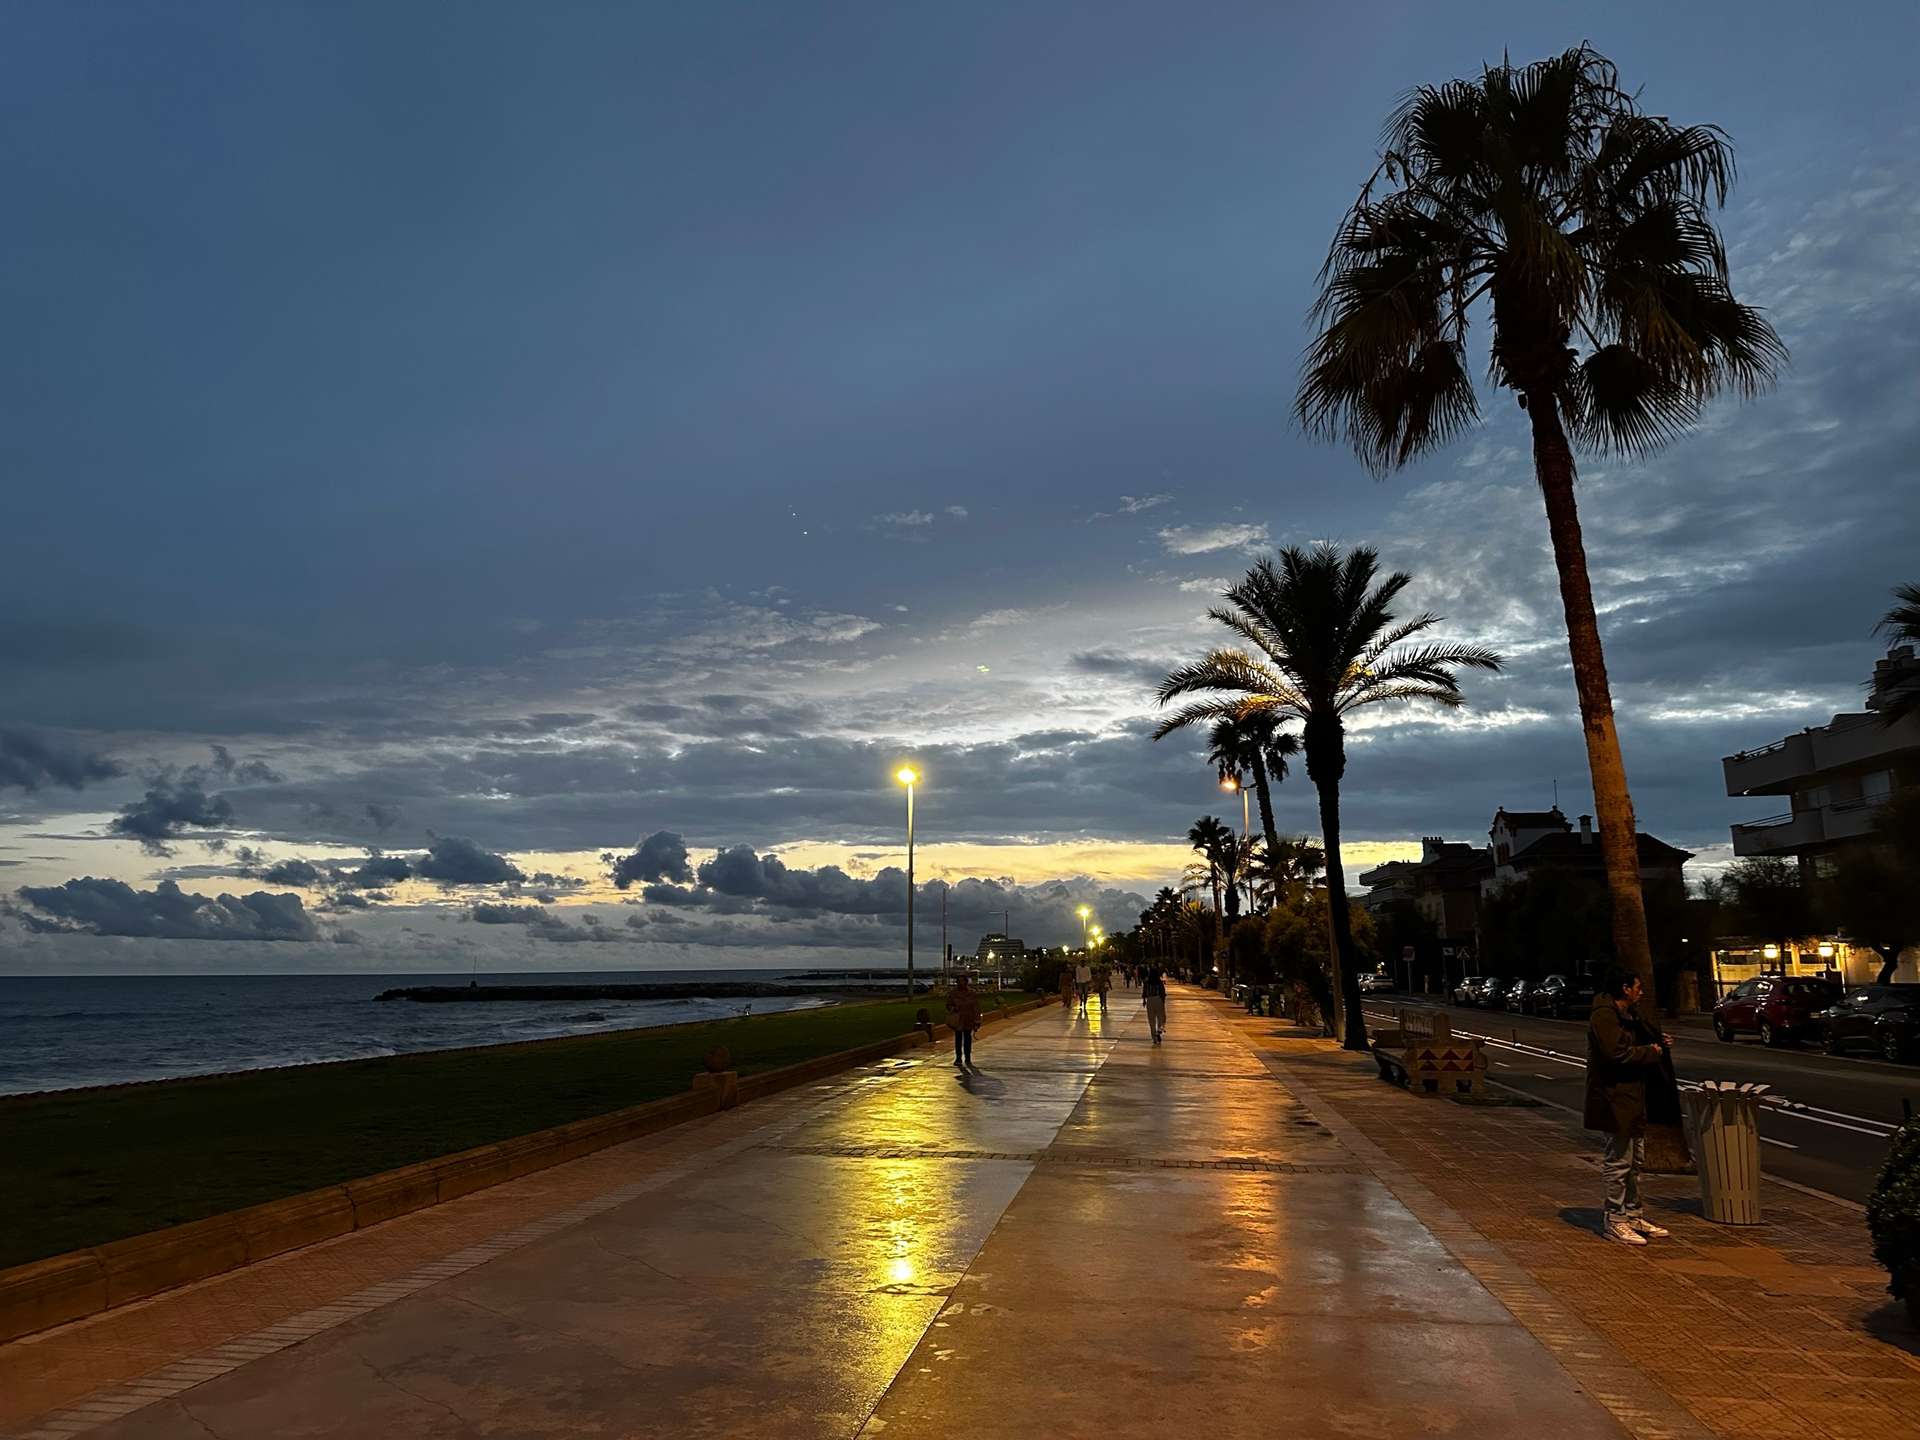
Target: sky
[{"x": 511, "y": 447}]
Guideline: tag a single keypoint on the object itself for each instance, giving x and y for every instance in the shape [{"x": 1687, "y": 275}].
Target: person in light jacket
[{"x": 1624, "y": 1056}]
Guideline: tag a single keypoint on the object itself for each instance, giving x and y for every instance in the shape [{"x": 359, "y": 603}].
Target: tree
[
  {"x": 1900, "y": 623},
  {"x": 1872, "y": 896},
  {"x": 1584, "y": 224},
  {"x": 1290, "y": 863},
  {"x": 1210, "y": 838},
  {"x": 1768, "y": 899},
  {"x": 1255, "y": 745},
  {"x": 1324, "y": 643}
]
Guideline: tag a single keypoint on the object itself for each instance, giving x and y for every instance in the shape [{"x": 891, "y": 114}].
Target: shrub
[
  {"x": 1893, "y": 1215},
  {"x": 1041, "y": 973}
]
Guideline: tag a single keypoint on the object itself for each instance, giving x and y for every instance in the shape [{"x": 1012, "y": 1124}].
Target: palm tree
[
  {"x": 1324, "y": 643},
  {"x": 1293, "y": 861},
  {"x": 1902, "y": 622},
  {"x": 1256, "y": 746},
  {"x": 1207, "y": 836},
  {"x": 1584, "y": 223}
]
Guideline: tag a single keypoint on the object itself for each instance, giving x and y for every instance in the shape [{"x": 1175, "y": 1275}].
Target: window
[
  {"x": 1817, "y": 797},
  {"x": 1876, "y": 786}
]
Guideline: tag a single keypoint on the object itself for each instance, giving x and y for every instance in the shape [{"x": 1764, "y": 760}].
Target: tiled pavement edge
[{"x": 1716, "y": 1331}]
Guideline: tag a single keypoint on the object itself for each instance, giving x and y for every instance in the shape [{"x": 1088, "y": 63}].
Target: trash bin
[{"x": 1723, "y": 1118}]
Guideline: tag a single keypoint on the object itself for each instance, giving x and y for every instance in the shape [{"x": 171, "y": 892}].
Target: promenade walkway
[{"x": 1088, "y": 1236}]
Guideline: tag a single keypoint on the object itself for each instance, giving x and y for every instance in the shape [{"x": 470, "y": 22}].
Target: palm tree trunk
[
  {"x": 1613, "y": 806},
  {"x": 1264, "y": 793},
  {"x": 1346, "y": 973}
]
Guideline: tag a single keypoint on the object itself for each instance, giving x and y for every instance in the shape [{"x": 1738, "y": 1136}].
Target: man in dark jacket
[{"x": 1624, "y": 1054}]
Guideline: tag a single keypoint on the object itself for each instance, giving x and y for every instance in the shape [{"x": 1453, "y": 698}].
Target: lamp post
[
  {"x": 1231, "y": 783},
  {"x": 909, "y": 777},
  {"x": 1083, "y": 912}
]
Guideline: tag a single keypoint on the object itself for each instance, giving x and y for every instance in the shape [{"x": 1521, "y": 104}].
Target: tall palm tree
[
  {"x": 1902, "y": 622},
  {"x": 1323, "y": 642},
  {"x": 1208, "y": 836},
  {"x": 1257, "y": 746},
  {"x": 1584, "y": 223}
]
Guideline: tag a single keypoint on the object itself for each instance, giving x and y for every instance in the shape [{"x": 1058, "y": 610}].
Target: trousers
[{"x": 1620, "y": 1166}]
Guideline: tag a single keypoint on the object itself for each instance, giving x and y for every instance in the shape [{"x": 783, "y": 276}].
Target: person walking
[
  {"x": 1153, "y": 990},
  {"x": 1083, "y": 982},
  {"x": 1103, "y": 982},
  {"x": 1625, "y": 1055},
  {"x": 963, "y": 1015},
  {"x": 1066, "y": 987}
]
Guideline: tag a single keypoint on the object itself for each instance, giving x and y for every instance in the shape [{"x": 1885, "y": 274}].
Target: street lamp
[
  {"x": 1083, "y": 912},
  {"x": 1231, "y": 784},
  {"x": 909, "y": 777}
]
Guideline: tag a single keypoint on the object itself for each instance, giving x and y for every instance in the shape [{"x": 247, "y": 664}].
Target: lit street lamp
[
  {"x": 909, "y": 777},
  {"x": 1083, "y": 912}
]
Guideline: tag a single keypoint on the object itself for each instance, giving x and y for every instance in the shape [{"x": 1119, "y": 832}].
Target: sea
[{"x": 63, "y": 1032}]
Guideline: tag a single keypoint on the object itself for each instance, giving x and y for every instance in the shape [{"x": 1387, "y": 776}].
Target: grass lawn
[{"x": 83, "y": 1167}]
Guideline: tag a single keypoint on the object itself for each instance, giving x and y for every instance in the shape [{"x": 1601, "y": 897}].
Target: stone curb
[{"x": 44, "y": 1293}]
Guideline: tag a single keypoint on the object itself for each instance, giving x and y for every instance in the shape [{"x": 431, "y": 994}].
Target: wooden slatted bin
[{"x": 1723, "y": 1120}]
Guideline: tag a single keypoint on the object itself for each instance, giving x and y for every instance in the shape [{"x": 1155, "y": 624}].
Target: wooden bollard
[{"x": 717, "y": 1078}]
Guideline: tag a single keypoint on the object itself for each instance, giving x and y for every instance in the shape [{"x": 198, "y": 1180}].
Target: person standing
[
  {"x": 1153, "y": 990},
  {"x": 1624, "y": 1056},
  {"x": 963, "y": 1015},
  {"x": 1103, "y": 982},
  {"x": 1083, "y": 982}
]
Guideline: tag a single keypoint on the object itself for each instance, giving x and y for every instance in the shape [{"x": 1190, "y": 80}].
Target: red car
[{"x": 1777, "y": 1008}]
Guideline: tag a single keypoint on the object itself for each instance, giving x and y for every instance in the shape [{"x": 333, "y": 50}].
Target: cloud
[
  {"x": 1206, "y": 585},
  {"x": 1134, "y": 504},
  {"x": 112, "y": 907},
  {"x": 30, "y": 761},
  {"x": 661, "y": 856},
  {"x": 1204, "y": 539},
  {"x": 958, "y": 512},
  {"x": 168, "y": 809},
  {"x": 907, "y": 519},
  {"x": 451, "y": 860},
  {"x": 295, "y": 872},
  {"x": 378, "y": 871},
  {"x": 544, "y": 924}
]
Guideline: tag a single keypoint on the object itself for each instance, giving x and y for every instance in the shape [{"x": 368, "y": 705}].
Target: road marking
[
  {"x": 1769, "y": 1140},
  {"x": 1538, "y": 1076},
  {"x": 1812, "y": 1114}
]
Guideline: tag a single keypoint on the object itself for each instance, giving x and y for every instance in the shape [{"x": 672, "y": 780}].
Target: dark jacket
[
  {"x": 1623, "y": 1056},
  {"x": 963, "y": 1009}
]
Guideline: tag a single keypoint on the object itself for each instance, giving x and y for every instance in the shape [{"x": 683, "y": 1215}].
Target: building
[
  {"x": 997, "y": 950},
  {"x": 1833, "y": 776},
  {"x": 1529, "y": 842},
  {"x": 1442, "y": 886},
  {"x": 1447, "y": 886}
]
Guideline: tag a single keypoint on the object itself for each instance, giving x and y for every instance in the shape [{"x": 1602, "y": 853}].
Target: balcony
[
  {"x": 1862, "y": 742},
  {"x": 1780, "y": 834},
  {"x": 1772, "y": 769},
  {"x": 1851, "y": 819}
]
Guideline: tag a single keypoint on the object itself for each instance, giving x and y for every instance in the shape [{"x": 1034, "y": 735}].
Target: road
[{"x": 1835, "y": 1143}]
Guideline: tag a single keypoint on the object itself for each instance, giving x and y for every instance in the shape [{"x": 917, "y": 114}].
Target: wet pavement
[{"x": 1086, "y": 1235}]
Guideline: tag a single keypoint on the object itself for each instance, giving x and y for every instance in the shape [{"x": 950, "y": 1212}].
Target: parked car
[
  {"x": 1515, "y": 996},
  {"x": 1883, "y": 1017},
  {"x": 1561, "y": 996},
  {"x": 1779, "y": 1009},
  {"x": 1480, "y": 990},
  {"x": 1375, "y": 982}
]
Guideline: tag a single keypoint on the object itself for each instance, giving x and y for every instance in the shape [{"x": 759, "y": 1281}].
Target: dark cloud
[
  {"x": 295, "y": 872},
  {"x": 382, "y": 817},
  {"x": 545, "y": 924},
  {"x": 661, "y": 856},
  {"x": 112, "y": 907},
  {"x": 30, "y": 761},
  {"x": 168, "y": 809},
  {"x": 451, "y": 860},
  {"x": 235, "y": 772},
  {"x": 378, "y": 870}
]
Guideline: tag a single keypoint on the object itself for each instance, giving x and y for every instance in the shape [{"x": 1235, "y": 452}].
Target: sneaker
[
  {"x": 1648, "y": 1228},
  {"x": 1624, "y": 1233}
]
